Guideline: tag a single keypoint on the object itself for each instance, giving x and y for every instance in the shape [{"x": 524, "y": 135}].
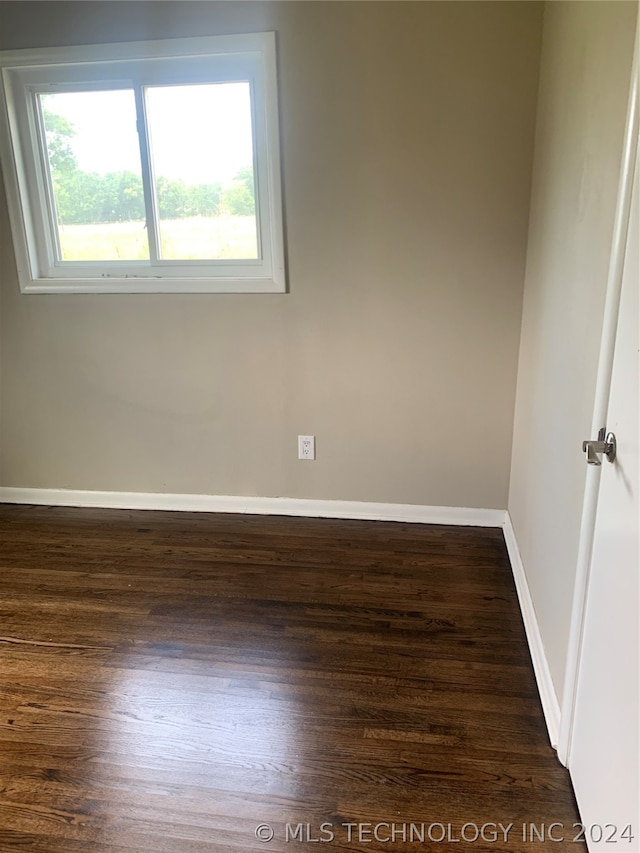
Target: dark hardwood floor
[{"x": 171, "y": 681}]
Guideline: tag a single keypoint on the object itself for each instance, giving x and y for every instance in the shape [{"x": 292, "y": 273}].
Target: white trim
[
  {"x": 600, "y": 407},
  {"x": 122, "y": 51},
  {"x": 462, "y": 516},
  {"x": 548, "y": 697}
]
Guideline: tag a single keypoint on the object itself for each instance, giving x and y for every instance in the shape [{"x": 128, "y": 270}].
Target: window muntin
[{"x": 234, "y": 239}]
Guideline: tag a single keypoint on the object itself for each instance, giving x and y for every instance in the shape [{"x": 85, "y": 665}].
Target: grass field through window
[{"x": 197, "y": 238}]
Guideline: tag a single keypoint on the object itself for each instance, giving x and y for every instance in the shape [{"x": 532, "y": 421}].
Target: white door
[{"x": 603, "y": 753}]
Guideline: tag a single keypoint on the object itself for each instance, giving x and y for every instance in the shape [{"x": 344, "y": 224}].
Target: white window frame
[{"x": 27, "y": 73}]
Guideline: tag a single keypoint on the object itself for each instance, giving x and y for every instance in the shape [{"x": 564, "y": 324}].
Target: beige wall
[
  {"x": 584, "y": 83},
  {"x": 407, "y": 133}
]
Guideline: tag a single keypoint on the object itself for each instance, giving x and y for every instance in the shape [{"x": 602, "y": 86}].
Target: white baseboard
[
  {"x": 259, "y": 506},
  {"x": 548, "y": 697}
]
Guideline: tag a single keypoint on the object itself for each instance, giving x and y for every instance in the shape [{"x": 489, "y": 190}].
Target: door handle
[{"x": 605, "y": 444}]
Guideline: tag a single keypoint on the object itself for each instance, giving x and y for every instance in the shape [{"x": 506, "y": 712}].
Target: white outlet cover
[{"x": 307, "y": 447}]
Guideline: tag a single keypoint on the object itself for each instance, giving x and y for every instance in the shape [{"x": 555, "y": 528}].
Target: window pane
[
  {"x": 94, "y": 161},
  {"x": 201, "y": 144}
]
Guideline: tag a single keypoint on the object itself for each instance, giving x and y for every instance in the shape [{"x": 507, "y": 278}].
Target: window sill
[{"x": 154, "y": 285}]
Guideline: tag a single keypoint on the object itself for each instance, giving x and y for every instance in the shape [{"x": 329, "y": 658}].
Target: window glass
[
  {"x": 201, "y": 144},
  {"x": 94, "y": 166}
]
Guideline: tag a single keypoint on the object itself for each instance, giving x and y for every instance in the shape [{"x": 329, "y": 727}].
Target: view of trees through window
[{"x": 101, "y": 214}]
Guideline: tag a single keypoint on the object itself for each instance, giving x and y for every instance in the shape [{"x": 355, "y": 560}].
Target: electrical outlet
[{"x": 306, "y": 447}]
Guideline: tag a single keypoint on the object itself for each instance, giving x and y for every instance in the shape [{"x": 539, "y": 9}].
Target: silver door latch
[{"x": 605, "y": 444}]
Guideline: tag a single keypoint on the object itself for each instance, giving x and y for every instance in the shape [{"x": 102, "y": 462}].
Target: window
[{"x": 145, "y": 167}]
